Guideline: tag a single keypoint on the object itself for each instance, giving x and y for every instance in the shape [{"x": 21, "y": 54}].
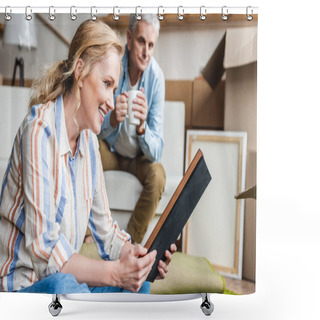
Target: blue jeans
[{"x": 61, "y": 283}]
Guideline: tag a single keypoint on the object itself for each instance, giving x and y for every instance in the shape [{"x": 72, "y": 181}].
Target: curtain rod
[{"x": 118, "y": 10}]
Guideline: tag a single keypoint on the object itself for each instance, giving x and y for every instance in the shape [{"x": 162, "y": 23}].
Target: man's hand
[
  {"x": 141, "y": 109},
  {"x": 120, "y": 111}
]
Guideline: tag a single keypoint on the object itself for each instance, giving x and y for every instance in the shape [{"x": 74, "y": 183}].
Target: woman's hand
[
  {"x": 163, "y": 265},
  {"x": 133, "y": 267}
]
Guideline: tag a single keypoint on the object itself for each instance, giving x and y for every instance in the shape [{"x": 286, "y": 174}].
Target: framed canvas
[{"x": 220, "y": 238}]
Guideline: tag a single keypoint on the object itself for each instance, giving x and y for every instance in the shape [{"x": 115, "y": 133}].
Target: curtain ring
[
  {"x": 224, "y": 13},
  {"x": 116, "y": 15},
  {"x": 203, "y": 13},
  {"x": 51, "y": 15},
  {"x": 27, "y": 13},
  {"x": 180, "y": 13},
  {"x": 138, "y": 15},
  {"x": 93, "y": 16},
  {"x": 73, "y": 13},
  {"x": 249, "y": 17},
  {"x": 6, "y": 14},
  {"x": 160, "y": 15}
]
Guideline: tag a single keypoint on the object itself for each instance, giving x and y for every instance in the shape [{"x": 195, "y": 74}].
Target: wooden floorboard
[{"x": 240, "y": 286}]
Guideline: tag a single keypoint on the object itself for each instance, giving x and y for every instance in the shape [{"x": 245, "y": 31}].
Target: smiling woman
[
  {"x": 54, "y": 188},
  {"x": 96, "y": 91},
  {"x": 94, "y": 45}
]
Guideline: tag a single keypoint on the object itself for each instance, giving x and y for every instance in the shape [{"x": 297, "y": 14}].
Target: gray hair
[{"x": 149, "y": 18}]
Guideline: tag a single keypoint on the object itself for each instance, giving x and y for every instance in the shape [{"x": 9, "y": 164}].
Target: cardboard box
[
  {"x": 207, "y": 105},
  {"x": 235, "y": 59},
  {"x": 209, "y": 92},
  {"x": 224, "y": 97},
  {"x": 204, "y": 106},
  {"x": 240, "y": 63},
  {"x": 214, "y": 69},
  {"x": 1, "y": 79},
  {"x": 181, "y": 90}
]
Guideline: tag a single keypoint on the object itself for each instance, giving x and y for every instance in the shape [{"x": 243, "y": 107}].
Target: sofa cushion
[
  {"x": 120, "y": 184},
  {"x": 173, "y": 138},
  {"x": 189, "y": 274},
  {"x": 123, "y": 189}
]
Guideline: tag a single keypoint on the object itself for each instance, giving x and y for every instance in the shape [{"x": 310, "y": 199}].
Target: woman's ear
[{"x": 78, "y": 70}]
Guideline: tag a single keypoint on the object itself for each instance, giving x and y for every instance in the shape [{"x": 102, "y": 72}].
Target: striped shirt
[{"x": 48, "y": 198}]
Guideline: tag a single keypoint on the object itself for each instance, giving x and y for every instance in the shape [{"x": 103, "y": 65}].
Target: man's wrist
[
  {"x": 140, "y": 130},
  {"x": 113, "y": 120}
]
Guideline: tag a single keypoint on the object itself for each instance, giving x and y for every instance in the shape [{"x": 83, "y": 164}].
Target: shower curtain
[{"x": 209, "y": 63}]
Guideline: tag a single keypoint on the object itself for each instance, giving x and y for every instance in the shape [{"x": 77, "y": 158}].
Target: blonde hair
[{"x": 91, "y": 43}]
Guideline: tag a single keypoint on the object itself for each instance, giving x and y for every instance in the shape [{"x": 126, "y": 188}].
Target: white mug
[{"x": 132, "y": 119}]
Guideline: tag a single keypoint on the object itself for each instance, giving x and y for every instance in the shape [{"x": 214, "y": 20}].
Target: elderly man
[{"x": 138, "y": 149}]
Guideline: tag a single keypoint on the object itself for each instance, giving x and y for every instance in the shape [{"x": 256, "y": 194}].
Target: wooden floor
[{"x": 240, "y": 286}]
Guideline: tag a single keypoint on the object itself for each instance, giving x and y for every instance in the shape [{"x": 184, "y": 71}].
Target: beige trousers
[{"x": 153, "y": 179}]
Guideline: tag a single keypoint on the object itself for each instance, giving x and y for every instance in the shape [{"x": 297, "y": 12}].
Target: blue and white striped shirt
[{"x": 48, "y": 198}]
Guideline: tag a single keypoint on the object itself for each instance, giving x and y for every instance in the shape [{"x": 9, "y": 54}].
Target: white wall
[
  {"x": 50, "y": 47},
  {"x": 181, "y": 51},
  {"x": 13, "y": 108}
]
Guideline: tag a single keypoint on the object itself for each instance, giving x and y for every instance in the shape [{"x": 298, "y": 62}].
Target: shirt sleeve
[
  {"x": 151, "y": 143},
  {"x": 48, "y": 248},
  {"x": 107, "y": 236}
]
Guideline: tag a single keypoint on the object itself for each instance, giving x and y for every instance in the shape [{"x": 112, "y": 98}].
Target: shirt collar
[{"x": 61, "y": 130}]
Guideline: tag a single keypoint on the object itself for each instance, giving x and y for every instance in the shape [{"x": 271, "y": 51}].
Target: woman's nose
[{"x": 110, "y": 104}]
